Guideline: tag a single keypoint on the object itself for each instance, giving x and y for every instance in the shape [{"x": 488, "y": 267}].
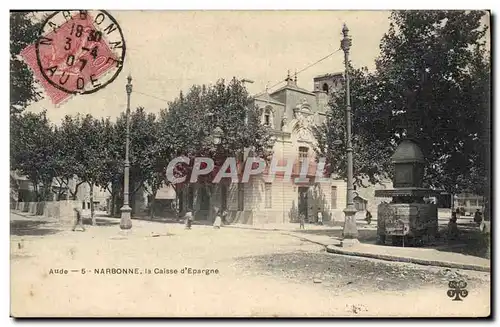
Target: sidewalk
[
  {"x": 436, "y": 256},
  {"x": 287, "y": 227}
]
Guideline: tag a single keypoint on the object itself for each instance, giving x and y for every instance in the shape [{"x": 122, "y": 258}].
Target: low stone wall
[{"x": 60, "y": 210}]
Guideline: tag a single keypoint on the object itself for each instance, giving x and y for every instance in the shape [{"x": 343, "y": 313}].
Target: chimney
[{"x": 290, "y": 81}]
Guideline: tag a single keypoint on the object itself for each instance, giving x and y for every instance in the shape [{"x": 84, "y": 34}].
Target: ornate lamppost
[
  {"x": 126, "y": 221},
  {"x": 350, "y": 232}
]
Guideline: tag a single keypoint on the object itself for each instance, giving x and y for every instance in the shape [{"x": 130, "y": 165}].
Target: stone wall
[{"x": 60, "y": 210}]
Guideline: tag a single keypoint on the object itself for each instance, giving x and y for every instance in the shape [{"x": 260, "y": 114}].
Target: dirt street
[{"x": 250, "y": 273}]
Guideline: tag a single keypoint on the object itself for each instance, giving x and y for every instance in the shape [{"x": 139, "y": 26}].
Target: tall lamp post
[
  {"x": 125, "y": 221},
  {"x": 350, "y": 232}
]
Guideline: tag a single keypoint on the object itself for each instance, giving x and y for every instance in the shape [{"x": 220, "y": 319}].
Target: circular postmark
[{"x": 80, "y": 51}]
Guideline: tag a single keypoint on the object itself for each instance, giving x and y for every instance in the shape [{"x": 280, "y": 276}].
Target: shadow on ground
[
  {"x": 31, "y": 228},
  {"x": 469, "y": 242},
  {"x": 365, "y": 236},
  {"x": 165, "y": 220},
  {"x": 101, "y": 222},
  {"x": 343, "y": 273}
]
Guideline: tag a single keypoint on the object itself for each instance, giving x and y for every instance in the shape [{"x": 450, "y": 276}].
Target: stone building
[
  {"x": 291, "y": 112},
  {"x": 22, "y": 190}
]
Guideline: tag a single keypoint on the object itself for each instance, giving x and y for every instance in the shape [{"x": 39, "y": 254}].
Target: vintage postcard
[{"x": 250, "y": 163}]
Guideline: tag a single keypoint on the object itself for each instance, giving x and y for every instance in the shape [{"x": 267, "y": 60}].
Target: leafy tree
[
  {"x": 111, "y": 175},
  {"x": 374, "y": 136},
  {"x": 23, "y": 32},
  {"x": 192, "y": 119},
  {"x": 69, "y": 146},
  {"x": 436, "y": 63},
  {"x": 89, "y": 155},
  {"x": 148, "y": 154},
  {"x": 33, "y": 145}
]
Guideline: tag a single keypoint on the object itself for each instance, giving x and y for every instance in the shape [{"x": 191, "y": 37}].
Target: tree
[
  {"x": 148, "y": 154},
  {"x": 69, "y": 144},
  {"x": 111, "y": 175},
  {"x": 374, "y": 133},
  {"x": 160, "y": 153},
  {"x": 89, "y": 154},
  {"x": 192, "y": 119},
  {"x": 440, "y": 58},
  {"x": 23, "y": 32},
  {"x": 33, "y": 145}
]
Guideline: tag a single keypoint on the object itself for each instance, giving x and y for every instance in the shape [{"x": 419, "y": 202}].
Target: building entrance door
[{"x": 302, "y": 201}]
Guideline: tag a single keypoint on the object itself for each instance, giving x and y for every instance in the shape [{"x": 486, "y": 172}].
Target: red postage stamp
[{"x": 77, "y": 52}]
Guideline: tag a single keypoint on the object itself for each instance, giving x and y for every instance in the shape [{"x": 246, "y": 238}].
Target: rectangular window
[
  {"x": 303, "y": 152},
  {"x": 267, "y": 118},
  {"x": 241, "y": 197},
  {"x": 269, "y": 194},
  {"x": 334, "y": 197}
]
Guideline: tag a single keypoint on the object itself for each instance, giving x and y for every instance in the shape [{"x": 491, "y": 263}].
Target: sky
[{"x": 169, "y": 51}]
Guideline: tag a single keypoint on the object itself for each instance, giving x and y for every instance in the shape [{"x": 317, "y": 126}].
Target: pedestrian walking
[
  {"x": 320, "y": 218},
  {"x": 218, "y": 220},
  {"x": 453, "y": 227},
  {"x": 368, "y": 217},
  {"x": 224, "y": 217},
  {"x": 478, "y": 217},
  {"x": 302, "y": 221},
  {"x": 78, "y": 220},
  {"x": 188, "y": 219}
]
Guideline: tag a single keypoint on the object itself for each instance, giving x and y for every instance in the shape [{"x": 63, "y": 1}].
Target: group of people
[
  {"x": 220, "y": 217},
  {"x": 302, "y": 219}
]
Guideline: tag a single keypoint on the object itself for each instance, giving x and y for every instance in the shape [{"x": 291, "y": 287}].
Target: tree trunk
[
  {"x": 92, "y": 215},
  {"x": 73, "y": 194},
  {"x": 452, "y": 206},
  {"x": 35, "y": 190},
  {"x": 212, "y": 192},
  {"x": 152, "y": 205},
  {"x": 112, "y": 204}
]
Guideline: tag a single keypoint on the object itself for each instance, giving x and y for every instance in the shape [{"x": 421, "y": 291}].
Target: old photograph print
[{"x": 250, "y": 163}]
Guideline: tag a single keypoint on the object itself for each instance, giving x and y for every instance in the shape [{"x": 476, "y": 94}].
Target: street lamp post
[
  {"x": 350, "y": 232},
  {"x": 125, "y": 221}
]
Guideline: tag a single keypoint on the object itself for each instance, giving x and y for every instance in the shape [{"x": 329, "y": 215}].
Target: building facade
[
  {"x": 22, "y": 190},
  {"x": 291, "y": 112}
]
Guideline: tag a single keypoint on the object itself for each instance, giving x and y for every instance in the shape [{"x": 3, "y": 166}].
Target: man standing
[
  {"x": 79, "y": 220},
  {"x": 302, "y": 220},
  {"x": 320, "y": 218}
]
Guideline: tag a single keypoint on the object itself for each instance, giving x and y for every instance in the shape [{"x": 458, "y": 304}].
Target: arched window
[
  {"x": 325, "y": 87},
  {"x": 267, "y": 117}
]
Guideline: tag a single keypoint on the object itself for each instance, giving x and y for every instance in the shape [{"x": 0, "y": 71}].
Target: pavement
[
  {"x": 59, "y": 273},
  {"x": 329, "y": 236},
  {"x": 440, "y": 256}
]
